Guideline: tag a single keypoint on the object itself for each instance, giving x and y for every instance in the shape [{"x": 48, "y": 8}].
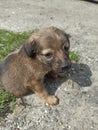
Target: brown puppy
[{"x": 22, "y": 72}]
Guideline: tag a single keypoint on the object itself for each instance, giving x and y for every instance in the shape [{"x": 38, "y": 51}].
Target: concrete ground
[{"x": 78, "y": 93}]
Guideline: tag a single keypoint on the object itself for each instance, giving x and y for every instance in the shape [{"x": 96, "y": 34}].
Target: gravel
[{"x": 78, "y": 91}]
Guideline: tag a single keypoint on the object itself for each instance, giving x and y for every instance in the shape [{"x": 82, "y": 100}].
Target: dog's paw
[
  {"x": 53, "y": 74},
  {"x": 61, "y": 75},
  {"x": 52, "y": 100}
]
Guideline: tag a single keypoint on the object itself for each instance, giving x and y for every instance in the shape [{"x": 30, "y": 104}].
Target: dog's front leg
[
  {"x": 53, "y": 74},
  {"x": 56, "y": 75},
  {"x": 41, "y": 91}
]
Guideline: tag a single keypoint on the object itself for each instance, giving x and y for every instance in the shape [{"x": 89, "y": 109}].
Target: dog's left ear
[
  {"x": 68, "y": 35},
  {"x": 31, "y": 47}
]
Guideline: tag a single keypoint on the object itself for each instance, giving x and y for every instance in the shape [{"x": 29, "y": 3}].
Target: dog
[{"x": 22, "y": 72}]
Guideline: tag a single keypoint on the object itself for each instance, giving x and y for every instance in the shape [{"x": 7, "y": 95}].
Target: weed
[
  {"x": 10, "y": 41},
  {"x": 7, "y": 103},
  {"x": 74, "y": 56}
]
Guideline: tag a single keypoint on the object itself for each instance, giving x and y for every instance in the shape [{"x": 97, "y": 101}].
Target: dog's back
[
  {"x": 12, "y": 74},
  {"x": 1, "y": 69},
  {"x": 5, "y": 63},
  {"x": 6, "y": 72},
  {"x": 4, "y": 66}
]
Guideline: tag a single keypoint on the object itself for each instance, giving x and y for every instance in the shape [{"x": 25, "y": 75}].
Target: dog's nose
[{"x": 65, "y": 66}]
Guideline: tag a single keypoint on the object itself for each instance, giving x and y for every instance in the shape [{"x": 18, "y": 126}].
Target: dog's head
[{"x": 51, "y": 47}]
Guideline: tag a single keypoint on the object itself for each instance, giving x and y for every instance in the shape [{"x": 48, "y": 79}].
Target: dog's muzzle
[{"x": 64, "y": 67}]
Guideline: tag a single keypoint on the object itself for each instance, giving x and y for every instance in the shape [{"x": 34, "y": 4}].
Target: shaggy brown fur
[{"x": 22, "y": 72}]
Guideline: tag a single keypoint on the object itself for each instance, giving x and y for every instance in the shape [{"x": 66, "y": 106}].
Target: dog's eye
[
  {"x": 48, "y": 55},
  {"x": 65, "y": 48}
]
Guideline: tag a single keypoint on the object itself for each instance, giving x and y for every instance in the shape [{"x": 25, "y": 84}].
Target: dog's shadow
[
  {"x": 79, "y": 73},
  {"x": 91, "y": 1}
]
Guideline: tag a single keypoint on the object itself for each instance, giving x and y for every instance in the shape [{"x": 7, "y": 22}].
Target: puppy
[{"x": 22, "y": 72}]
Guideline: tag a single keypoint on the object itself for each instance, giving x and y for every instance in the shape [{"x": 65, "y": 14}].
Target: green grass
[
  {"x": 10, "y": 41},
  {"x": 7, "y": 103},
  {"x": 74, "y": 56}
]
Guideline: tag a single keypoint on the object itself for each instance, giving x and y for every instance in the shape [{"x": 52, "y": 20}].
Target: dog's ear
[
  {"x": 68, "y": 35},
  {"x": 31, "y": 47}
]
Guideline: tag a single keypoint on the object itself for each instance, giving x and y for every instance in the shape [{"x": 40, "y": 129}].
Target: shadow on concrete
[
  {"x": 92, "y": 1},
  {"x": 79, "y": 73}
]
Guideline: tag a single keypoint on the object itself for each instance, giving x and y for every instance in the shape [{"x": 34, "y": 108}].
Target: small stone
[
  {"x": 13, "y": 12},
  {"x": 45, "y": 111}
]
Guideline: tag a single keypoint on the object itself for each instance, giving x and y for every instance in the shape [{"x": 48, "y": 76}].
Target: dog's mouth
[{"x": 63, "y": 70}]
